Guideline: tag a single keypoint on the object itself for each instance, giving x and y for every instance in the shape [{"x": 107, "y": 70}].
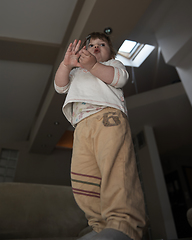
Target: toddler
[{"x": 104, "y": 175}]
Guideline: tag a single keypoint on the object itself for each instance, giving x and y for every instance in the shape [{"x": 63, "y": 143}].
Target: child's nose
[{"x": 96, "y": 46}]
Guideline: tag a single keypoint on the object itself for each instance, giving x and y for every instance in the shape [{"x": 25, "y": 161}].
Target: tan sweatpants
[{"x": 104, "y": 174}]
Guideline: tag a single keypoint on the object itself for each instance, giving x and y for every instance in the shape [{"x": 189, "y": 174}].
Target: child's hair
[{"x": 102, "y": 36}]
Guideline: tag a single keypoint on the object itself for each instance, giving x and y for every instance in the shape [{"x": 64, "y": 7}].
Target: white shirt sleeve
[
  {"x": 61, "y": 89},
  {"x": 66, "y": 87},
  {"x": 120, "y": 74}
]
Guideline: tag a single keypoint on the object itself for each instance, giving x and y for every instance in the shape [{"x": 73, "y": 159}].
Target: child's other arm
[
  {"x": 103, "y": 72},
  {"x": 115, "y": 75}
]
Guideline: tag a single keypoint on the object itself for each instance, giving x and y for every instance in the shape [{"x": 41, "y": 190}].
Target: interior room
[{"x": 35, "y": 137}]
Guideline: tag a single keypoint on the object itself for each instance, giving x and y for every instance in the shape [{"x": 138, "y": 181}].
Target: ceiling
[{"x": 33, "y": 38}]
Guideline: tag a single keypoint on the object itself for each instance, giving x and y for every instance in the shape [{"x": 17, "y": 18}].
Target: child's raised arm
[{"x": 70, "y": 60}]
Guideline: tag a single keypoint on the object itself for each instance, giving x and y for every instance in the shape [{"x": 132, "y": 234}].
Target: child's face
[{"x": 100, "y": 49}]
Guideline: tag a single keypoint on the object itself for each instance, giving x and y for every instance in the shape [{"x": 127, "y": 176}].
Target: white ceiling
[
  {"x": 33, "y": 37},
  {"x": 34, "y": 20}
]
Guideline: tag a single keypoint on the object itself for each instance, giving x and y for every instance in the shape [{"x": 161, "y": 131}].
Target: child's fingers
[
  {"x": 74, "y": 45},
  {"x": 83, "y": 50},
  {"x": 78, "y": 45},
  {"x": 69, "y": 49}
]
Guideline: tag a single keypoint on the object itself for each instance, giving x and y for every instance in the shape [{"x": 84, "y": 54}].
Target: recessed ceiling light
[{"x": 108, "y": 30}]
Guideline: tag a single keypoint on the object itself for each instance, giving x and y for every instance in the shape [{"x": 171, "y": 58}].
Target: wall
[
  {"x": 158, "y": 206},
  {"x": 51, "y": 169},
  {"x": 174, "y": 36},
  {"x": 151, "y": 195},
  {"x": 176, "y": 162}
]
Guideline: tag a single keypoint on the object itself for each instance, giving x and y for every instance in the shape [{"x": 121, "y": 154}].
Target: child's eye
[
  {"x": 91, "y": 45},
  {"x": 102, "y": 44}
]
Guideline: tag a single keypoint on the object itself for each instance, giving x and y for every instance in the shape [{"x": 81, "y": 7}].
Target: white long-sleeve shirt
[{"x": 84, "y": 87}]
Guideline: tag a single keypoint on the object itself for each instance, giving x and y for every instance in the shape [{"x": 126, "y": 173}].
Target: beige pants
[{"x": 104, "y": 174}]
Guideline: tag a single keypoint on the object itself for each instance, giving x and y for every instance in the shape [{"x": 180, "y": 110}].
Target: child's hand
[
  {"x": 72, "y": 55},
  {"x": 87, "y": 60}
]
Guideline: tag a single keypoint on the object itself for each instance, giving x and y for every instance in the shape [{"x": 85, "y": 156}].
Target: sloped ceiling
[
  {"x": 33, "y": 38},
  {"x": 31, "y": 33}
]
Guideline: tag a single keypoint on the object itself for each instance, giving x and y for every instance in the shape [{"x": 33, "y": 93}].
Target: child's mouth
[{"x": 97, "y": 51}]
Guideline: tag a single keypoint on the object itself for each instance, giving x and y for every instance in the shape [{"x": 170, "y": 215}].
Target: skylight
[
  {"x": 127, "y": 46},
  {"x": 133, "y": 54}
]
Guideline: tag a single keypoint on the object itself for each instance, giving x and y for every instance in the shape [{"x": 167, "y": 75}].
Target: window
[
  {"x": 133, "y": 54},
  {"x": 8, "y": 162}
]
